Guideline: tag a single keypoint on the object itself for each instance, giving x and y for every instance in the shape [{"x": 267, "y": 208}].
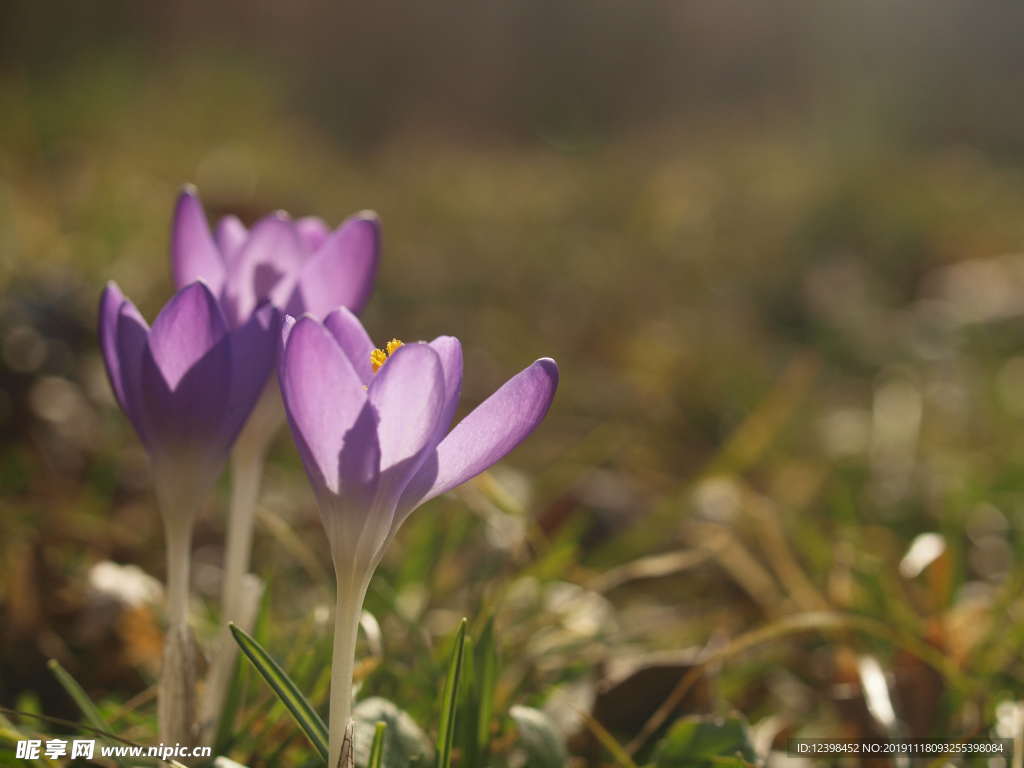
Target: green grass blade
[
  {"x": 609, "y": 742},
  {"x": 450, "y": 699},
  {"x": 77, "y": 693},
  {"x": 270, "y": 670},
  {"x": 467, "y": 711},
  {"x": 377, "y": 748},
  {"x": 487, "y": 678}
]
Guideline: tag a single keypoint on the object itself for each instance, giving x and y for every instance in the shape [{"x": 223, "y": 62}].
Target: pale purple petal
[
  {"x": 265, "y": 268},
  {"x": 353, "y": 340},
  {"x": 487, "y": 434},
  {"x": 408, "y": 393},
  {"x": 186, "y": 329},
  {"x": 449, "y": 350},
  {"x": 312, "y": 231},
  {"x": 322, "y": 396},
  {"x": 348, "y": 515},
  {"x": 359, "y": 471},
  {"x": 194, "y": 255},
  {"x": 230, "y": 237},
  {"x": 253, "y": 354},
  {"x": 342, "y": 271},
  {"x": 359, "y": 460}
]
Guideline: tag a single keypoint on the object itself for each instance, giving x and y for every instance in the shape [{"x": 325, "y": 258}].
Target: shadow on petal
[
  {"x": 253, "y": 355},
  {"x": 189, "y": 420}
]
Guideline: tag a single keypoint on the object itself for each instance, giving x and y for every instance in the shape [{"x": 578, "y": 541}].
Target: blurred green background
[{"x": 775, "y": 248}]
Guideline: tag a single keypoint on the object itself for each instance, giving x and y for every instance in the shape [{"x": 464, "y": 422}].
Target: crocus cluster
[
  {"x": 296, "y": 266},
  {"x": 373, "y": 426}
]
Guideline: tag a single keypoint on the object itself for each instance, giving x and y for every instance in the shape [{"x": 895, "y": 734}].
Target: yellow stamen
[{"x": 380, "y": 356}]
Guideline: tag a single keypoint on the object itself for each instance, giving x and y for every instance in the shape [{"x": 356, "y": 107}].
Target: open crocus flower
[
  {"x": 372, "y": 427},
  {"x": 187, "y": 385}
]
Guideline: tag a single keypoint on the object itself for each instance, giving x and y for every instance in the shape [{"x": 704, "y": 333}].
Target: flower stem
[
  {"x": 246, "y": 473},
  {"x": 179, "y": 562},
  {"x": 346, "y": 630},
  {"x": 176, "y": 692}
]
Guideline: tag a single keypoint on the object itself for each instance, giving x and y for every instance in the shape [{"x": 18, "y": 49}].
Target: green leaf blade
[
  {"x": 307, "y": 718},
  {"x": 377, "y": 748},
  {"x": 89, "y": 710},
  {"x": 487, "y": 680},
  {"x": 450, "y": 698}
]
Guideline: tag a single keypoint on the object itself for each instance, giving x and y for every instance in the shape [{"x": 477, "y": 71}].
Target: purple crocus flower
[
  {"x": 299, "y": 266},
  {"x": 372, "y": 427},
  {"x": 187, "y": 385}
]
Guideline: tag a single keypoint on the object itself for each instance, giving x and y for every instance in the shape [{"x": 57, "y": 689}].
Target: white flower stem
[
  {"x": 176, "y": 692},
  {"x": 349, "y": 608},
  {"x": 179, "y": 561},
  {"x": 246, "y": 474}
]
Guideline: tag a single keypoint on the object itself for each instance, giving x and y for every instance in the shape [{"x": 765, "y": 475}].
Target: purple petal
[
  {"x": 253, "y": 354},
  {"x": 408, "y": 393},
  {"x": 110, "y": 308},
  {"x": 348, "y": 516},
  {"x": 353, "y": 340},
  {"x": 449, "y": 350},
  {"x": 186, "y": 376},
  {"x": 187, "y": 328},
  {"x": 487, "y": 434},
  {"x": 194, "y": 255},
  {"x": 265, "y": 268},
  {"x": 341, "y": 272},
  {"x": 131, "y": 338},
  {"x": 312, "y": 231},
  {"x": 359, "y": 460},
  {"x": 353, "y": 528},
  {"x": 231, "y": 236},
  {"x": 322, "y": 396}
]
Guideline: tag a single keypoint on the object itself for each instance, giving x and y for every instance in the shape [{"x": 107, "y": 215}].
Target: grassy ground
[{"x": 784, "y": 358}]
